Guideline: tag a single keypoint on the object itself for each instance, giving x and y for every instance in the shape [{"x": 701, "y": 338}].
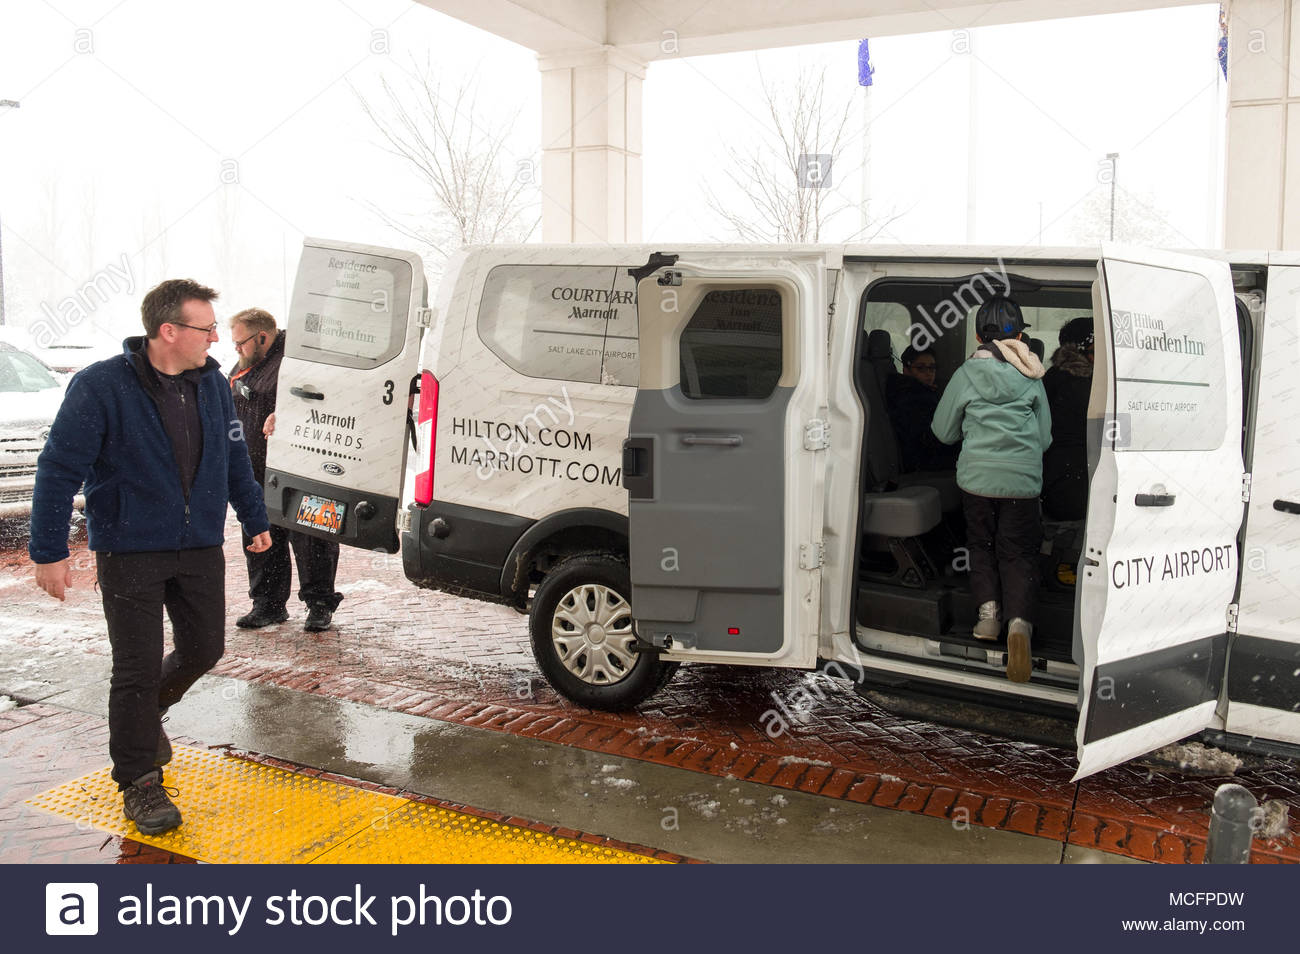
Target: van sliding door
[{"x": 724, "y": 520}]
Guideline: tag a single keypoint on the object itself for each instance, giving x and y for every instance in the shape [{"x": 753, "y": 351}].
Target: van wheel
[{"x": 581, "y": 628}]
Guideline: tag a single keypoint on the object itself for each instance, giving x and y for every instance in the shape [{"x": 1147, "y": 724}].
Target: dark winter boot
[
  {"x": 260, "y": 616},
  {"x": 146, "y": 803}
]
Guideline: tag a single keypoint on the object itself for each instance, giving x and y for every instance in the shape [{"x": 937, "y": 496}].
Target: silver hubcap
[{"x": 592, "y": 632}]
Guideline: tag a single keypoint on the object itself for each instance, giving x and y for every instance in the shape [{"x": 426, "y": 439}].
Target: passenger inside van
[
  {"x": 910, "y": 399},
  {"x": 996, "y": 401},
  {"x": 1068, "y": 383}
]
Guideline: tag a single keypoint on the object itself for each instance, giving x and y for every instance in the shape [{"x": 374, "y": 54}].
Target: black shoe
[
  {"x": 260, "y": 616},
  {"x": 145, "y": 802},
  {"x": 164, "y": 754},
  {"x": 318, "y": 619}
]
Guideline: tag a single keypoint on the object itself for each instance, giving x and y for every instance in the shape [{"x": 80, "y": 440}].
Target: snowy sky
[{"x": 206, "y": 140}]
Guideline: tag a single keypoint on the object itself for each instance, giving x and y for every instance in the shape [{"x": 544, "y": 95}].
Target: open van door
[
  {"x": 1264, "y": 665},
  {"x": 1165, "y": 503},
  {"x": 724, "y": 478},
  {"x": 335, "y": 462}
]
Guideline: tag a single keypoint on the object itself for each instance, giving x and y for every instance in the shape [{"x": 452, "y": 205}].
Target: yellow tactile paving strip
[{"x": 240, "y": 812}]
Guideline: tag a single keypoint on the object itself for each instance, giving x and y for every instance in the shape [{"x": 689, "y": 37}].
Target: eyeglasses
[
  {"x": 206, "y": 329},
  {"x": 240, "y": 344}
]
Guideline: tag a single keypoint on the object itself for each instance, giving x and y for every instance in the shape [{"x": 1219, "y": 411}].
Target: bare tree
[
  {"x": 781, "y": 204},
  {"x": 473, "y": 192},
  {"x": 1139, "y": 220},
  {"x": 226, "y": 241},
  {"x": 151, "y": 237}
]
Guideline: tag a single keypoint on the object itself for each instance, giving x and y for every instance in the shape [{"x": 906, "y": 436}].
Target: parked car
[
  {"x": 30, "y": 395},
  {"x": 66, "y": 355}
]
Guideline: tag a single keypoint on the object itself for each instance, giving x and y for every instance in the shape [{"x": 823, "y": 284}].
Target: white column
[
  {"x": 1262, "y": 197},
  {"x": 591, "y": 147}
]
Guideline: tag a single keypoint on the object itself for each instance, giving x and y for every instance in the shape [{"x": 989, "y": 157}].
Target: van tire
[{"x": 595, "y": 586}]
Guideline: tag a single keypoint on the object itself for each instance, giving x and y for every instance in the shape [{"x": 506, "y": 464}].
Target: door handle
[
  {"x": 307, "y": 393},
  {"x": 722, "y": 440},
  {"x": 1154, "y": 500},
  {"x": 638, "y": 468},
  {"x": 1286, "y": 506}
]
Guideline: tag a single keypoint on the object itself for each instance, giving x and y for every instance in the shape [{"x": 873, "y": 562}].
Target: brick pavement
[{"x": 429, "y": 654}]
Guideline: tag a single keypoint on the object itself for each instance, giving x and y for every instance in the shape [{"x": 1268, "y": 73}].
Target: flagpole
[
  {"x": 864, "y": 80},
  {"x": 866, "y": 161},
  {"x": 971, "y": 151}
]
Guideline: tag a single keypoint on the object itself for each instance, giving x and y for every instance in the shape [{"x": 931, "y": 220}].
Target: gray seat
[
  {"x": 906, "y": 512},
  {"x": 883, "y": 458},
  {"x": 889, "y": 511}
]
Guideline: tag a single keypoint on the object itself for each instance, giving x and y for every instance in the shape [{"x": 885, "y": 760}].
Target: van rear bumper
[{"x": 452, "y": 547}]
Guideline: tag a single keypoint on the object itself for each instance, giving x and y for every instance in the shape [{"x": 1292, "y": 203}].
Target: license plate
[{"x": 321, "y": 513}]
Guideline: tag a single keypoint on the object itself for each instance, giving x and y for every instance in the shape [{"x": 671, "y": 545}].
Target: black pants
[
  {"x": 1004, "y": 536},
  {"x": 136, "y": 588},
  {"x": 268, "y": 572}
]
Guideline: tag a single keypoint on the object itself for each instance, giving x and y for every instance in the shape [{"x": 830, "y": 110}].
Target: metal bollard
[{"x": 1232, "y": 826}]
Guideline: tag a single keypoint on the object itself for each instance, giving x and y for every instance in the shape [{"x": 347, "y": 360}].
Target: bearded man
[{"x": 253, "y": 383}]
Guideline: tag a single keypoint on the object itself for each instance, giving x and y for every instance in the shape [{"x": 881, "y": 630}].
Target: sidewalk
[
  {"x": 435, "y": 657},
  {"x": 613, "y": 801}
]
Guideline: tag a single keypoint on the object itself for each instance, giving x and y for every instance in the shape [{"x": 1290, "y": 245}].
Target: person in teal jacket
[{"x": 995, "y": 404}]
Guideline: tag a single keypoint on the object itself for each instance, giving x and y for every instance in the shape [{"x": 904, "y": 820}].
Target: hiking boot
[
  {"x": 260, "y": 616},
  {"x": 989, "y": 624},
  {"x": 145, "y": 802},
  {"x": 1019, "y": 663},
  {"x": 318, "y": 619},
  {"x": 164, "y": 754}
]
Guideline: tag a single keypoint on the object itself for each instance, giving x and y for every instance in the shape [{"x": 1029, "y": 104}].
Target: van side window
[
  {"x": 731, "y": 348},
  {"x": 566, "y": 322}
]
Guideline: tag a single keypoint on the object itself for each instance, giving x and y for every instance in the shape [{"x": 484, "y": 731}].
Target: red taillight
[{"x": 426, "y": 432}]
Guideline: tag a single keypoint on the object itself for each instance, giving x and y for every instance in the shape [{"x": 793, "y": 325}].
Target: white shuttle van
[{"x": 683, "y": 455}]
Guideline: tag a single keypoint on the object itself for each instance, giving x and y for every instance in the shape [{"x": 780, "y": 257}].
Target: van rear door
[
  {"x": 1264, "y": 666},
  {"x": 721, "y": 463},
  {"x": 336, "y": 459},
  {"x": 1165, "y": 507}
]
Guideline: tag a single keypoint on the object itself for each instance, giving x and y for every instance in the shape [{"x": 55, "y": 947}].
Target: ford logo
[{"x": 331, "y": 468}]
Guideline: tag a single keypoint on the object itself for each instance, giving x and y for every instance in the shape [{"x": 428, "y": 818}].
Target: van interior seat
[
  {"x": 882, "y": 444},
  {"x": 1037, "y": 346},
  {"x": 905, "y": 512},
  {"x": 887, "y": 510}
]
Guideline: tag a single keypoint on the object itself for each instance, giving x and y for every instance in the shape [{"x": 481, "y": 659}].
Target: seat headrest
[{"x": 879, "y": 344}]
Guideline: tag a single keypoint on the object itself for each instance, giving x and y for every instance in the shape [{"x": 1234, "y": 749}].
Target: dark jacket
[
  {"x": 109, "y": 433},
  {"x": 1068, "y": 384},
  {"x": 911, "y": 408},
  {"x": 254, "y": 393}
]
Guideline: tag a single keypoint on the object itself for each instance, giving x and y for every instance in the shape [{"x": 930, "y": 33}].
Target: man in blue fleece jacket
[{"x": 154, "y": 436}]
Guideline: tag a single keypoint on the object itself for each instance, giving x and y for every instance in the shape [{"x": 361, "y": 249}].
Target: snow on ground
[
  {"x": 364, "y": 586},
  {"x": 1197, "y": 757},
  {"x": 796, "y": 760},
  {"x": 6, "y": 704}
]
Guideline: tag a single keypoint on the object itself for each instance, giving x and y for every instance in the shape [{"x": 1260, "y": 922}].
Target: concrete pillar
[
  {"x": 1263, "y": 156},
  {"x": 591, "y": 147}
]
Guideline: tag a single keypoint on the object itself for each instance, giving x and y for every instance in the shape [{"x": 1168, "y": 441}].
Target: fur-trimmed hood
[{"x": 1070, "y": 359}]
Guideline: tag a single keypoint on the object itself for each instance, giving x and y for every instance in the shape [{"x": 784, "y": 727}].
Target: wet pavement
[{"x": 422, "y": 692}]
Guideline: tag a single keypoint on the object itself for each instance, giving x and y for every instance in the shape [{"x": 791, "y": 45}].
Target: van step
[{"x": 1021, "y": 719}]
